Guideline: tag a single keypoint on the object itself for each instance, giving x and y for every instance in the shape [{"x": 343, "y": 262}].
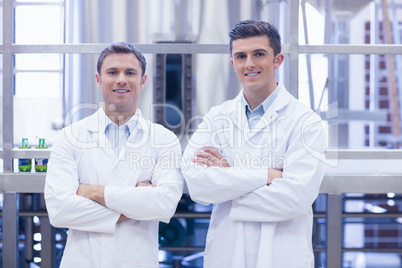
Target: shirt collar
[{"x": 104, "y": 121}]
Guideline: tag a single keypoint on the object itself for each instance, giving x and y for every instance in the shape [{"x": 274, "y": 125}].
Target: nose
[
  {"x": 121, "y": 79},
  {"x": 250, "y": 63}
]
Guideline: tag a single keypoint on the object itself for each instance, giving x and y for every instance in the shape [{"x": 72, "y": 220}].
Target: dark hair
[
  {"x": 121, "y": 47},
  {"x": 252, "y": 28}
]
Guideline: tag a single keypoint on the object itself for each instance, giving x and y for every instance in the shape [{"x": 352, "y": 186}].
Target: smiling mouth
[
  {"x": 252, "y": 74},
  {"x": 121, "y": 90}
]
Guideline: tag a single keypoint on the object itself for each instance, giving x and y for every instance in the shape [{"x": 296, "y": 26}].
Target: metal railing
[{"x": 334, "y": 185}]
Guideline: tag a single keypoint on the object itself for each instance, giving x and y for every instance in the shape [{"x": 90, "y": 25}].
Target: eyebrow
[
  {"x": 116, "y": 68},
  {"x": 261, "y": 50},
  {"x": 254, "y": 51}
]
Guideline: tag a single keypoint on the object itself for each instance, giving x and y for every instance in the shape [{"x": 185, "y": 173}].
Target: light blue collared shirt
[
  {"x": 118, "y": 135},
  {"x": 255, "y": 115}
]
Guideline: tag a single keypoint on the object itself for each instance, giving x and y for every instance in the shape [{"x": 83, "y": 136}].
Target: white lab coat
[
  {"x": 82, "y": 155},
  {"x": 254, "y": 225}
]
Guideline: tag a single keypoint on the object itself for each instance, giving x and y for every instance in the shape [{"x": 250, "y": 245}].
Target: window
[{"x": 39, "y": 75}]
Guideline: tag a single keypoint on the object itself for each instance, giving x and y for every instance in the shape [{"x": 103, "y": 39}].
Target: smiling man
[
  {"x": 110, "y": 201},
  {"x": 253, "y": 159}
]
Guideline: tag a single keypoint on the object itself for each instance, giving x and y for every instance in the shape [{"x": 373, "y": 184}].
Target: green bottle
[
  {"x": 41, "y": 164},
  {"x": 24, "y": 165}
]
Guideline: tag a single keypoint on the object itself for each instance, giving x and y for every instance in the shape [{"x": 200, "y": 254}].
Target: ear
[
  {"x": 278, "y": 60},
  {"x": 143, "y": 80},
  {"x": 231, "y": 61},
  {"x": 98, "y": 80}
]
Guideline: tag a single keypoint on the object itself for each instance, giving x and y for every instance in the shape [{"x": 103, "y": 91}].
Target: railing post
[
  {"x": 10, "y": 230},
  {"x": 47, "y": 252},
  {"x": 334, "y": 230}
]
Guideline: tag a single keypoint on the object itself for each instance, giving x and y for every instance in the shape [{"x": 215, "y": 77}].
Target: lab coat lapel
[
  {"x": 96, "y": 128},
  {"x": 107, "y": 147},
  {"x": 271, "y": 114},
  {"x": 236, "y": 112},
  {"x": 138, "y": 138}
]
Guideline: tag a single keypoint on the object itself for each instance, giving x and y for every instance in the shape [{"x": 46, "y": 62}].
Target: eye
[
  {"x": 130, "y": 73},
  {"x": 240, "y": 57},
  {"x": 112, "y": 72},
  {"x": 259, "y": 54}
]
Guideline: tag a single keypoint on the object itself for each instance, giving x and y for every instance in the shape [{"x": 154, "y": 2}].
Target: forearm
[
  {"x": 69, "y": 210},
  {"x": 145, "y": 203},
  {"x": 285, "y": 198},
  {"x": 216, "y": 185},
  {"x": 93, "y": 192},
  {"x": 75, "y": 212}
]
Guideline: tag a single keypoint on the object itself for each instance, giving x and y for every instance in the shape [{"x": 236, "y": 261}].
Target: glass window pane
[
  {"x": 316, "y": 67},
  {"x": 315, "y": 24},
  {"x": 352, "y": 22},
  {"x": 357, "y": 88},
  {"x": 38, "y": 25},
  {"x": 37, "y": 61},
  {"x": 37, "y": 85}
]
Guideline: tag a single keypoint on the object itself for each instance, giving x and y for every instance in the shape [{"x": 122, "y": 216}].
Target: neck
[
  {"x": 117, "y": 117},
  {"x": 255, "y": 98}
]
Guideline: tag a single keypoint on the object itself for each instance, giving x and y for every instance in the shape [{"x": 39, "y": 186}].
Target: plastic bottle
[
  {"x": 41, "y": 164},
  {"x": 24, "y": 165}
]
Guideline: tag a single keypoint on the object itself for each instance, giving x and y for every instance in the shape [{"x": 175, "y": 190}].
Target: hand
[
  {"x": 210, "y": 157},
  {"x": 96, "y": 193},
  {"x": 273, "y": 174},
  {"x": 122, "y": 218},
  {"x": 145, "y": 184},
  {"x": 93, "y": 192}
]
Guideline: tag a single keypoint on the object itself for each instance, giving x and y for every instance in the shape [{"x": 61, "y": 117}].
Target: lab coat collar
[
  {"x": 99, "y": 121},
  {"x": 236, "y": 110}
]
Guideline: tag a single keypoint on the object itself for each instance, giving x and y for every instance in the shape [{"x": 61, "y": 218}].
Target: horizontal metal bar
[
  {"x": 348, "y": 49},
  {"x": 27, "y": 153},
  {"x": 329, "y": 154},
  {"x": 30, "y": 213},
  {"x": 192, "y": 215},
  {"x": 362, "y": 183},
  {"x": 361, "y": 215},
  {"x": 180, "y": 248},
  {"x": 207, "y": 215},
  {"x": 371, "y": 215},
  {"x": 383, "y": 250},
  {"x": 162, "y": 48},
  {"x": 22, "y": 183},
  {"x": 191, "y": 48},
  {"x": 30, "y": 153},
  {"x": 363, "y": 154},
  {"x": 332, "y": 183}
]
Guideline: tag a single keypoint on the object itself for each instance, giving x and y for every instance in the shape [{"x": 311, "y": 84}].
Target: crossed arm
[
  {"x": 97, "y": 193},
  {"x": 211, "y": 157}
]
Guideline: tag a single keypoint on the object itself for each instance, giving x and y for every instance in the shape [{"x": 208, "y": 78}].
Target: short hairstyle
[
  {"x": 121, "y": 47},
  {"x": 252, "y": 28}
]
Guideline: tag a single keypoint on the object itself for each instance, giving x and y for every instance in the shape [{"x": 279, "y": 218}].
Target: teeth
[
  {"x": 120, "y": 90},
  {"x": 253, "y": 74}
]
